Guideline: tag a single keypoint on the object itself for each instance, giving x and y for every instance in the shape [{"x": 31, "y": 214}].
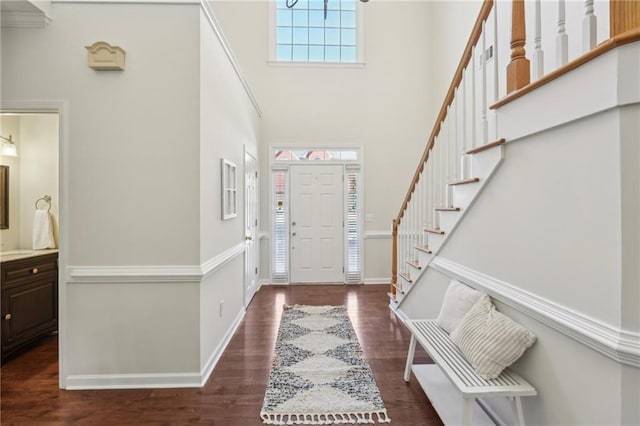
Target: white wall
[
  {"x": 141, "y": 153},
  {"x": 451, "y": 23},
  {"x": 121, "y": 329},
  {"x": 33, "y": 173},
  {"x": 38, "y": 171},
  {"x": 229, "y": 122},
  {"x": 133, "y": 136},
  {"x": 386, "y": 106}
]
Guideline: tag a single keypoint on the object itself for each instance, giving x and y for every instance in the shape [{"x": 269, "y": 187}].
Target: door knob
[
  {"x": 293, "y": 223},
  {"x": 293, "y": 234},
  {"x": 7, "y": 316},
  {"x": 248, "y": 237}
]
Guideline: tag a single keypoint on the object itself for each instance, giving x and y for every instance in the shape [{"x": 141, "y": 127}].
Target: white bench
[{"x": 450, "y": 371}]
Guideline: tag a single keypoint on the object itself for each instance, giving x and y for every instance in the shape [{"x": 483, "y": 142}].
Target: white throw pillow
[
  {"x": 489, "y": 340},
  {"x": 457, "y": 301}
]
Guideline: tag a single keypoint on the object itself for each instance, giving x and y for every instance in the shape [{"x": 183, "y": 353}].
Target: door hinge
[
  {"x": 256, "y": 270},
  {"x": 256, "y": 175},
  {"x": 256, "y": 222}
]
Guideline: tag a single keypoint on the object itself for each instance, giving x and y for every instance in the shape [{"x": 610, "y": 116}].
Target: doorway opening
[
  {"x": 316, "y": 215},
  {"x": 30, "y": 235},
  {"x": 251, "y": 252}
]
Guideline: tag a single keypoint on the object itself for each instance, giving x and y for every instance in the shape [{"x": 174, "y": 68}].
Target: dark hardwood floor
[{"x": 233, "y": 395}]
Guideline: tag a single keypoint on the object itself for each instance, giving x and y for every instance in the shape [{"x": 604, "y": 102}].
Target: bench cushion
[{"x": 489, "y": 340}]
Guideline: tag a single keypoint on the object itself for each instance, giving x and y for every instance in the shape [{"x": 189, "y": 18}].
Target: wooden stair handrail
[{"x": 485, "y": 10}]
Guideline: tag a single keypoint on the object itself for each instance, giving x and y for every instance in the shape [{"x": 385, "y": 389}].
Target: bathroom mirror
[{"x": 4, "y": 197}]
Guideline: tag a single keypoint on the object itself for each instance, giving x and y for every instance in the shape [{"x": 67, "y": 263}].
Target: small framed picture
[{"x": 229, "y": 190}]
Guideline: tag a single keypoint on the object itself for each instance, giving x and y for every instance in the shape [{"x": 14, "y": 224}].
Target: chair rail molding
[
  {"x": 152, "y": 274},
  {"x": 621, "y": 345}
]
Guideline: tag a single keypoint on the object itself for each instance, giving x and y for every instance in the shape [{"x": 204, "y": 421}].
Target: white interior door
[
  {"x": 316, "y": 227},
  {"x": 251, "y": 227}
]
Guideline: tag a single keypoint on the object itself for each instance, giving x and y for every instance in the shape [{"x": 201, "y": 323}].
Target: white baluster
[
  {"x": 412, "y": 225},
  {"x": 464, "y": 136},
  {"x": 420, "y": 208},
  {"x": 447, "y": 157},
  {"x": 453, "y": 165},
  {"x": 562, "y": 39},
  {"x": 445, "y": 161},
  {"x": 429, "y": 196},
  {"x": 438, "y": 168},
  {"x": 416, "y": 224},
  {"x": 474, "y": 120},
  {"x": 425, "y": 210},
  {"x": 496, "y": 71},
  {"x": 483, "y": 108},
  {"x": 589, "y": 27},
  {"x": 537, "y": 63}
]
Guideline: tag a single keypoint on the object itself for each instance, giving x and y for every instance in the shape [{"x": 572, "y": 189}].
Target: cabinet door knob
[
  {"x": 34, "y": 271},
  {"x": 7, "y": 316}
]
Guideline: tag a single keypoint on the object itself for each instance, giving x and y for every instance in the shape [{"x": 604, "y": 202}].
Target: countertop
[{"x": 9, "y": 255}]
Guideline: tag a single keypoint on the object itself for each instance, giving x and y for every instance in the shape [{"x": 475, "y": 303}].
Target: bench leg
[
  {"x": 517, "y": 410},
  {"x": 412, "y": 352},
  {"x": 467, "y": 410}
]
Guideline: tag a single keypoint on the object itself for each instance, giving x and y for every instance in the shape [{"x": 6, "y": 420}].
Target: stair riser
[
  {"x": 448, "y": 219},
  {"x": 423, "y": 258},
  {"x": 435, "y": 241},
  {"x": 404, "y": 284},
  {"x": 463, "y": 194},
  {"x": 483, "y": 163}
]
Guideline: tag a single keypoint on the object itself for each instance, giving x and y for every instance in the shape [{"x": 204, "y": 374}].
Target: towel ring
[{"x": 46, "y": 199}]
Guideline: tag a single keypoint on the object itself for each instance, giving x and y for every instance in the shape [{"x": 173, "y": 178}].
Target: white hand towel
[{"x": 43, "y": 231}]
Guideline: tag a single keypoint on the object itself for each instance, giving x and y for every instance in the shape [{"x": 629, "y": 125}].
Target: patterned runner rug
[{"x": 319, "y": 375}]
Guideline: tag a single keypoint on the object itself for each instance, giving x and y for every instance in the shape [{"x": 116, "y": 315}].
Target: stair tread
[
  {"x": 447, "y": 209},
  {"x": 423, "y": 249},
  {"x": 406, "y": 277},
  {"x": 415, "y": 264},
  {"x": 486, "y": 146},
  {"x": 434, "y": 231},
  {"x": 464, "y": 181}
]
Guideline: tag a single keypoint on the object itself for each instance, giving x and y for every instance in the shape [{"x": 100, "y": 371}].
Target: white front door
[
  {"x": 251, "y": 227},
  {"x": 316, "y": 227}
]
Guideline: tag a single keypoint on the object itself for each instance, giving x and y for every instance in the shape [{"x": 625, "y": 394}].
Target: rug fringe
[{"x": 325, "y": 418}]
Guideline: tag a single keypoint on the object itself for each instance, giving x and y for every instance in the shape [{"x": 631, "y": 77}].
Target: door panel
[
  {"x": 251, "y": 227},
  {"x": 317, "y": 235}
]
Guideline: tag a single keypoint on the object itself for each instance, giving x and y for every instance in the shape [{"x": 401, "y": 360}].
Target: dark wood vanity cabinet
[{"x": 29, "y": 301}]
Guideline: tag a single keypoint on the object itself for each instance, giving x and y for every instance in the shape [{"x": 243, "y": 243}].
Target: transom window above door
[{"x": 316, "y": 31}]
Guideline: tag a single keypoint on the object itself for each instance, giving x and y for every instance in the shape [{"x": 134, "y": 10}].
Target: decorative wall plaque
[{"x": 102, "y": 56}]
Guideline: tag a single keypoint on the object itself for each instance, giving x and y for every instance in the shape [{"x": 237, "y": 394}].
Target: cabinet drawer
[{"x": 27, "y": 268}]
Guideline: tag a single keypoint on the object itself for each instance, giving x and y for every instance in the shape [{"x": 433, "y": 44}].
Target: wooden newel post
[
  {"x": 394, "y": 257},
  {"x": 624, "y": 15},
  {"x": 518, "y": 70}
]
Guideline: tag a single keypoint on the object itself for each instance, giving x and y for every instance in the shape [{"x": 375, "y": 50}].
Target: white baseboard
[
  {"x": 217, "y": 353},
  {"x": 401, "y": 315},
  {"x": 133, "y": 381},
  {"x": 620, "y": 345},
  {"x": 377, "y": 281}
]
